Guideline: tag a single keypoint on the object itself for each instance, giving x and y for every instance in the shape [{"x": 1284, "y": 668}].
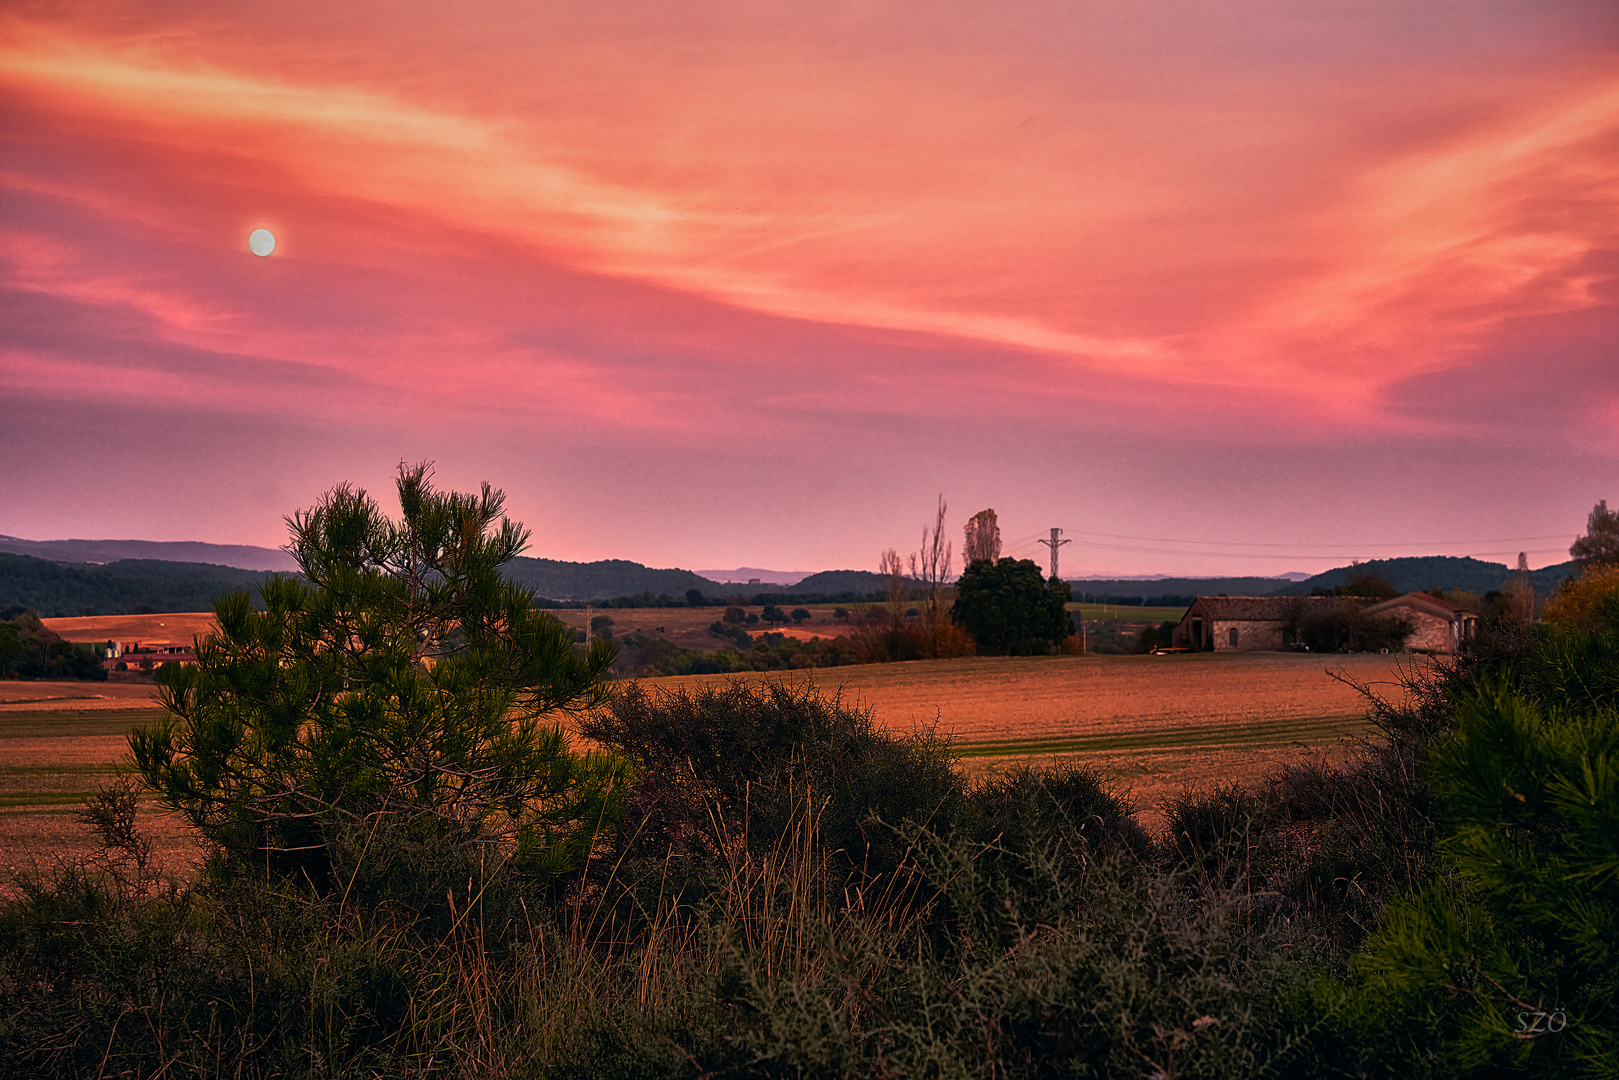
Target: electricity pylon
[{"x": 1054, "y": 543}]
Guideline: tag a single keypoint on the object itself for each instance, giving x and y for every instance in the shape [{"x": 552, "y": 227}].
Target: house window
[{"x": 1233, "y": 637}]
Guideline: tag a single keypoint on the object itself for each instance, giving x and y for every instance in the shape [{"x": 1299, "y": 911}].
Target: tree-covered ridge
[
  {"x": 137, "y": 586},
  {"x": 125, "y": 587},
  {"x": 240, "y": 556},
  {"x": 1420, "y": 573},
  {"x": 152, "y": 586},
  {"x": 606, "y": 579}
]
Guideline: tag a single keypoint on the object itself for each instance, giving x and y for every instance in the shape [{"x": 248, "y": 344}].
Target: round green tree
[
  {"x": 1009, "y": 608},
  {"x": 400, "y": 688}
]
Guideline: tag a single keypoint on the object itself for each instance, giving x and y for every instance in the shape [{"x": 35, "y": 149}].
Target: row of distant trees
[{"x": 1004, "y": 606}]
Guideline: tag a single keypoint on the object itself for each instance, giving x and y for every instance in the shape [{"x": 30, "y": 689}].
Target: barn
[
  {"x": 1235, "y": 623},
  {"x": 1441, "y": 626}
]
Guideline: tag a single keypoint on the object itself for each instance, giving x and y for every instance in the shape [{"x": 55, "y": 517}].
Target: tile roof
[
  {"x": 1259, "y": 608},
  {"x": 1433, "y": 605}
]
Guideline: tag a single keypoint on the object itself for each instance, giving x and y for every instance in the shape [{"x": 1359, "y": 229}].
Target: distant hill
[
  {"x": 240, "y": 556},
  {"x": 744, "y": 574},
  {"x": 122, "y": 587},
  {"x": 837, "y": 582},
  {"x": 1420, "y": 573},
  {"x": 1415, "y": 574},
  {"x": 71, "y": 581},
  {"x": 605, "y": 579}
]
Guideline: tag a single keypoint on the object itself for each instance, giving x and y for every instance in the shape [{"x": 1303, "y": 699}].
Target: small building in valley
[
  {"x": 1250, "y": 623},
  {"x": 1440, "y": 626},
  {"x": 1235, "y": 623}
]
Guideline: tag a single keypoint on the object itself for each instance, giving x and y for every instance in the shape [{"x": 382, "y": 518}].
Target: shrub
[
  {"x": 734, "y": 759},
  {"x": 1520, "y": 916}
]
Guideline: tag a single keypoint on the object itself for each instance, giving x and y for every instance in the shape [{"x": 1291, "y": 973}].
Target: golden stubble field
[
  {"x": 686, "y": 627},
  {"x": 1155, "y": 723}
]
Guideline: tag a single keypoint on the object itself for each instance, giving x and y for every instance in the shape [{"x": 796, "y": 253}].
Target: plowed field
[{"x": 1153, "y": 722}]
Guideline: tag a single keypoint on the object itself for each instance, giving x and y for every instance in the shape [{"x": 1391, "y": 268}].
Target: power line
[
  {"x": 1364, "y": 553},
  {"x": 1372, "y": 544}
]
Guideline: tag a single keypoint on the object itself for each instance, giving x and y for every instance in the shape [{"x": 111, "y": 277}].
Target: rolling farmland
[{"x": 1153, "y": 722}]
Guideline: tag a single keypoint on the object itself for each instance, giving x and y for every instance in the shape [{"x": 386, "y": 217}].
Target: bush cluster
[
  {"x": 644, "y": 655},
  {"x": 31, "y": 650}
]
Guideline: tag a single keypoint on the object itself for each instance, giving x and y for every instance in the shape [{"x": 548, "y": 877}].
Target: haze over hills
[
  {"x": 241, "y": 556},
  {"x": 1417, "y": 573},
  {"x": 73, "y": 577},
  {"x": 743, "y": 574}
]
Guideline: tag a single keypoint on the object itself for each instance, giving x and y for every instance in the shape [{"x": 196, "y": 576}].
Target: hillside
[
  {"x": 59, "y": 586},
  {"x": 607, "y": 578},
  {"x": 239, "y": 556},
  {"x": 838, "y": 582},
  {"x": 1420, "y": 573},
  {"x": 1117, "y": 589},
  {"x": 127, "y": 586}
]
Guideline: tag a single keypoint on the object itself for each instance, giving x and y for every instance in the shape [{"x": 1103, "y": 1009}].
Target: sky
[{"x": 1215, "y": 286}]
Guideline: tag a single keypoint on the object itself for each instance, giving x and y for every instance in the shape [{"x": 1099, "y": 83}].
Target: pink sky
[{"x": 1218, "y": 288}]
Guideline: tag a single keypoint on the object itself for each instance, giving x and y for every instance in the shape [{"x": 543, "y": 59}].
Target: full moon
[{"x": 261, "y": 242}]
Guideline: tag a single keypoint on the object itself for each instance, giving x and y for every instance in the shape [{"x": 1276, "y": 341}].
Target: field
[
  {"x": 1127, "y": 613},
  {"x": 685, "y": 626},
  {"x": 688, "y": 627},
  {"x": 1153, "y": 722},
  {"x": 175, "y": 629}
]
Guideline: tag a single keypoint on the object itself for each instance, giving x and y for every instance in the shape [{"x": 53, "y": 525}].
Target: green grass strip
[
  {"x": 10, "y": 803},
  {"x": 1235, "y": 736},
  {"x": 99, "y": 769},
  {"x": 74, "y": 723}
]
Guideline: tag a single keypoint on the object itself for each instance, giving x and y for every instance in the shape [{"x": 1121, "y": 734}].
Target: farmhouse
[
  {"x": 1441, "y": 626},
  {"x": 1226, "y": 623},
  {"x": 1246, "y": 623},
  {"x": 125, "y": 660}
]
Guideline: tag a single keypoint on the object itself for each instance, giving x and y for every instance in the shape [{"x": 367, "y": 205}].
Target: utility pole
[{"x": 1054, "y": 544}]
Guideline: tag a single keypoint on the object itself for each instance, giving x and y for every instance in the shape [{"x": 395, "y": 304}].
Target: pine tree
[
  {"x": 1509, "y": 960},
  {"x": 402, "y": 688},
  {"x": 1600, "y": 544}
]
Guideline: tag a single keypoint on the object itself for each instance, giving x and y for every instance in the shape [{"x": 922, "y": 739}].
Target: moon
[{"x": 261, "y": 242}]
